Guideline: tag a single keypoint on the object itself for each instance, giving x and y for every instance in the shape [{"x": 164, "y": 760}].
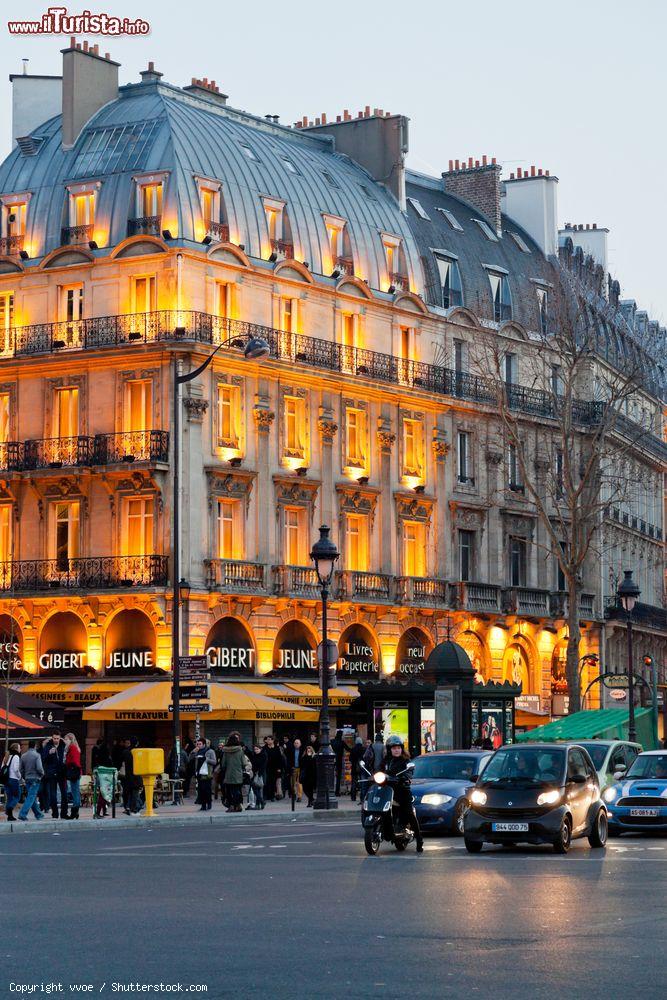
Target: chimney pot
[
  {"x": 493, "y": 161},
  {"x": 151, "y": 66},
  {"x": 484, "y": 158},
  {"x": 532, "y": 171},
  {"x": 546, "y": 173},
  {"x": 451, "y": 166},
  {"x": 85, "y": 45},
  {"x": 595, "y": 225},
  {"x": 367, "y": 112},
  {"x": 519, "y": 172},
  {"x": 456, "y": 164},
  {"x": 96, "y": 49},
  {"x": 470, "y": 162},
  {"x": 317, "y": 121},
  {"x": 304, "y": 121},
  {"x": 511, "y": 177},
  {"x": 539, "y": 172},
  {"x": 338, "y": 118},
  {"x": 107, "y": 55},
  {"x": 324, "y": 118},
  {"x": 72, "y": 42}
]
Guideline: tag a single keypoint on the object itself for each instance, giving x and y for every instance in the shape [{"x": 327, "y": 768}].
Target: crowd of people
[{"x": 51, "y": 772}]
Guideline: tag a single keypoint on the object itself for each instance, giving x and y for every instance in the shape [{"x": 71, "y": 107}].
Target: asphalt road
[{"x": 299, "y": 911}]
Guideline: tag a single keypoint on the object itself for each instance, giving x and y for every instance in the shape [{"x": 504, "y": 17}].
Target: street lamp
[
  {"x": 325, "y": 555},
  {"x": 628, "y": 592},
  {"x": 255, "y": 349}
]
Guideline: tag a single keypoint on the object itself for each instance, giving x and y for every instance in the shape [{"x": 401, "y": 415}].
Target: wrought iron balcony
[
  {"x": 94, "y": 573},
  {"x": 147, "y": 225},
  {"x": 479, "y": 597},
  {"x": 647, "y": 615},
  {"x": 399, "y": 280},
  {"x": 235, "y": 575},
  {"x": 283, "y": 248},
  {"x": 131, "y": 446},
  {"x": 357, "y": 586},
  {"x": 218, "y": 231},
  {"x": 296, "y": 581},
  {"x": 75, "y": 235},
  {"x": 345, "y": 265},
  {"x": 422, "y": 591},
  {"x": 11, "y": 456},
  {"x": 56, "y": 453},
  {"x": 11, "y": 246}
]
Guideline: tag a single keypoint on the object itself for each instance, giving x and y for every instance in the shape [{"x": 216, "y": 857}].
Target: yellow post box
[{"x": 148, "y": 764}]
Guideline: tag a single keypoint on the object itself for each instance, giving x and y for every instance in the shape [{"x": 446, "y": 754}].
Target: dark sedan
[{"x": 441, "y": 783}]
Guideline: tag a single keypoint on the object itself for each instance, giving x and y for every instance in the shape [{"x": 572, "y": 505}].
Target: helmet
[{"x": 394, "y": 741}]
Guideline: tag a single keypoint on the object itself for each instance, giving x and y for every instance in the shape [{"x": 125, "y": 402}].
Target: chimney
[
  {"x": 378, "y": 143},
  {"x": 531, "y": 200},
  {"x": 592, "y": 239},
  {"x": 89, "y": 82},
  {"x": 479, "y": 186},
  {"x": 151, "y": 75},
  {"x": 35, "y": 99},
  {"x": 208, "y": 89}
]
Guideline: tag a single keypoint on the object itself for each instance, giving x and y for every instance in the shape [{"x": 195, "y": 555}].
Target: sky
[{"x": 576, "y": 88}]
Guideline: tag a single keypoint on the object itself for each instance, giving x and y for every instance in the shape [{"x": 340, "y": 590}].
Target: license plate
[
  {"x": 643, "y": 812},
  {"x": 509, "y": 827}
]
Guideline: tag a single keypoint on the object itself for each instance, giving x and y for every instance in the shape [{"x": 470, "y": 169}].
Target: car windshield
[
  {"x": 596, "y": 752},
  {"x": 454, "y": 768},
  {"x": 649, "y": 766},
  {"x": 530, "y": 766}
]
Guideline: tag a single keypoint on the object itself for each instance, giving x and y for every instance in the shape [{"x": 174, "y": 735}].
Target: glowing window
[
  {"x": 4, "y": 417},
  {"x": 144, "y": 293},
  {"x": 138, "y": 526},
  {"x": 138, "y": 405},
  {"x": 66, "y": 413},
  {"x": 230, "y": 530},
  {"x": 414, "y": 548},
  {"x": 356, "y": 542},
  {"x": 355, "y": 437},
  {"x": 65, "y": 540}
]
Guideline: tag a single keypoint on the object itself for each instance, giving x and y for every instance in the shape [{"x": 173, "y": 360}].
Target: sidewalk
[{"x": 187, "y": 814}]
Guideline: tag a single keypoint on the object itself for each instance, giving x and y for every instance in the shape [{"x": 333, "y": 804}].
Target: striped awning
[
  {"x": 309, "y": 695},
  {"x": 74, "y": 692},
  {"x": 20, "y": 722}
]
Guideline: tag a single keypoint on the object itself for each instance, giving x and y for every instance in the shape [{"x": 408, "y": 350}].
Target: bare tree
[{"x": 568, "y": 437}]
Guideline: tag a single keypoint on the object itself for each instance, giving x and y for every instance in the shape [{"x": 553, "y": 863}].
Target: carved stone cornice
[
  {"x": 411, "y": 507},
  {"x": 295, "y": 490},
  {"x": 263, "y": 418},
  {"x": 357, "y": 499},
  {"x": 328, "y": 430},
  {"x": 467, "y": 516},
  {"x": 196, "y": 408},
  {"x": 385, "y": 441},
  {"x": 231, "y": 485},
  {"x": 440, "y": 446}
]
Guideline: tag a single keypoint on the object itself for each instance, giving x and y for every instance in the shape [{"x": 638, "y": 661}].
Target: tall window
[
  {"x": 149, "y": 200},
  {"x": 517, "y": 561},
  {"x": 144, "y": 291},
  {"x": 138, "y": 415},
  {"x": 335, "y": 234},
  {"x": 210, "y": 204},
  {"x": 466, "y": 555},
  {"x": 274, "y": 222},
  {"x": 230, "y": 530},
  {"x": 356, "y": 542},
  {"x": 414, "y": 548},
  {"x": 559, "y": 472},
  {"x": 71, "y": 310},
  {"x": 66, "y": 413},
  {"x": 349, "y": 337},
  {"x": 561, "y": 583},
  {"x": 464, "y": 458},
  {"x": 510, "y": 368},
  {"x": 5, "y": 415},
  {"x": 138, "y": 540},
  {"x": 295, "y": 535},
  {"x": 406, "y": 349},
  {"x": 82, "y": 209},
  {"x": 228, "y": 403},
  {"x": 355, "y": 437},
  {"x": 459, "y": 356},
  {"x": 6, "y": 321},
  {"x": 66, "y": 534},
  {"x": 450, "y": 282},
  {"x": 288, "y": 320},
  {"x": 5, "y": 533},
  {"x": 13, "y": 220},
  {"x": 515, "y": 480},
  {"x": 394, "y": 257},
  {"x": 413, "y": 448},
  {"x": 543, "y": 306},
  {"x": 223, "y": 302},
  {"x": 294, "y": 415},
  {"x": 500, "y": 296}
]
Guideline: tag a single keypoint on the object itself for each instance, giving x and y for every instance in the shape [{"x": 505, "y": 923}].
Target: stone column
[
  {"x": 328, "y": 429},
  {"x": 495, "y": 568},
  {"x": 542, "y": 568},
  {"x": 263, "y": 417},
  {"x": 193, "y": 504},
  {"x": 440, "y": 446},
  {"x": 385, "y": 439}
]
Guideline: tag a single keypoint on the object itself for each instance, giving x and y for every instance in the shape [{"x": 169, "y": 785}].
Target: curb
[{"x": 189, "y": 819}]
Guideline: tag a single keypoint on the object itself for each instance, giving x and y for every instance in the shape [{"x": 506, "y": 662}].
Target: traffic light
[{"x": 648, "y": 661}]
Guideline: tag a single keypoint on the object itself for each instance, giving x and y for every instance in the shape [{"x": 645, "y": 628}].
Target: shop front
[{"x": 129, "y": 648}]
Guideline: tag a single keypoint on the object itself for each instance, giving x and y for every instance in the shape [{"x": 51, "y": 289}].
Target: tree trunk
[{"x": 572, "y": 661}]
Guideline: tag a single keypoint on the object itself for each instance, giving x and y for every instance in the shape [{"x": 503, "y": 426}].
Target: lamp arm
[{"x": 182, "y": 379}]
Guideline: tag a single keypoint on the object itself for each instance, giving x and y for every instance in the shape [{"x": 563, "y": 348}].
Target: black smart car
[{"x": 537, "y": 794}]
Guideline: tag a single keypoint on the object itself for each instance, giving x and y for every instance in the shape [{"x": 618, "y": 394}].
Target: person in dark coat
[
  {"x": 356, "y": 754},
  {"x": 100, "y": 756},
  {"x": 117, "y": 753},
  {"x": 309, "y": 773},
  {"x": 53, "y": 758},
  {"x": 274, "y": 767},
  {"x": 339, "y": 748},
  {"x": 258, "y": 759},
  {"x": 132, "y": 783}
]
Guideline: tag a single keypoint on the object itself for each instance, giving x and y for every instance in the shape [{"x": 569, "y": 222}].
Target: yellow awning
[
  {"x": 149, "y": 702},
  {"x": 75, "y": 692},
  {"x": 308, "y": 695}
]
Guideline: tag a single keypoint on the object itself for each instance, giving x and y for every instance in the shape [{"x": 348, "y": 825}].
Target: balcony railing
[
  {"x": 74, "y": 235},
  {"x": 96, "y": 572},
  {"x": 11, "y": 245},
  {"x": 647, "y": 615},
  {"x": 365, "y": 586},
  {"x": 399, "y": 280},
  {"x": 147, "y": 225},
  {"x": 236, "y": 575},
  {"x": 559, "y": 605},
  {"x": 529, "y": 601},
  {"x": 423, "y": 591},
  {"x": 218, "y": 231},
  {"x": 479, "y": 597},
  {"x": 54, "y": 453},
  {"x": 11, "y": 456},
  {"x": 131, "y": 446},
  {"x": 283, "y": 248},
  {"x": 345, "y": 265},
  {"x": 296, "y": 581},
  {"x": 313, "y": 352}
]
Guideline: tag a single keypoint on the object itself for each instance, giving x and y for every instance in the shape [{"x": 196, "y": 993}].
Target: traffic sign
[
  {"x": 196, "y": 692},
  {"x": 193, "y": 665},
  {"x": 193, "y": 706}
]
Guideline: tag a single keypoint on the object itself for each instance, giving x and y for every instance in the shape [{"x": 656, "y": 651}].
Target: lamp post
[
  {"x": 255, "y": 349},
  {"x": 628, "y": 592},
  {"x": 325, "y": 554}
]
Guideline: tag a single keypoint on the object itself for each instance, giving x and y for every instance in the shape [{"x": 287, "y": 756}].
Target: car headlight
[
  {"x": 478, "y": 797},
  {"x": 549, "y": 798},
  {"x": 379, "y": 777},
  {"x": 436, "y": 800},
  {"x": 609, "y": 794}
]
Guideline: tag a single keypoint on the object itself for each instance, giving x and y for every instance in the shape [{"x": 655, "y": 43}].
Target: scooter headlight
[
  {"x": 379, "y": 777},
  {"x": 478, "y": 797}
]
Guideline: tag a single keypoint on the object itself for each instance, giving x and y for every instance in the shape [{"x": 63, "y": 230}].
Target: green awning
[{"x": 604, "y": 724}]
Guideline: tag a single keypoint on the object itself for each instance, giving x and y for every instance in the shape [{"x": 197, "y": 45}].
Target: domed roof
[
  {"x": 154, "y": 127},
  {"x": 449, "y": 662}
]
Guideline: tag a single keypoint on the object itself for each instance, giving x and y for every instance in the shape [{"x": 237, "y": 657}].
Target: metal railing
[
  {"x": 643, "y": 614},
  {"x": 235, "y": 574},
  {"x": 11, "y": 245},
  {"x": 300, "y": 581},
  {"x": 95, "y": 572},
  {"x": 283, "y": 247},
  {"x": 54, "y": 453},
  {"x": 345, "y": 265},
  {"x": 73, "y": 235},
  {"x": 131, "y": 446},
  {"x": 11, "y": 456},
  {"x": 147, "y": 225},
  {"x": 218, "y": 231}
]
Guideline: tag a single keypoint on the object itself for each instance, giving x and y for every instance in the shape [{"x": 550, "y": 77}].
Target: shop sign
[
  {"x": 294, "y": 653},
  {"x": 560, "y": 704},
  {"x": 130, "y": 661},
  {"x": 529, "y": 703},
  {"x": 616, "y": 681},
  {"x": 10, "y": 658},
  {"x": 63, "y": 662},
  {"x": 358, "y": 658},
  {"x": 618, "y": 694},
  {"x": 229, "y": 650}
]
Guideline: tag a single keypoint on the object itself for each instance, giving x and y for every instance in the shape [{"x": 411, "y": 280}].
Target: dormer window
[
  {"x": 487, "y": 230},
  {"x": 210, "y": 200},
  {"x": 451, "y": 219},
  {"x": 148, "y": 206},
  {"x": 543, "y": 306},
  {"x": 280, "y": 234},
  {"x": 339, "y": 246},
  {"x": 500, "y": 296},
  {"x": 397, "y": 277},
  {"x": 80, "y": 214},
  {"x": 419, "y": 208},
  {"x": 13, "y": 223},
  {"x": 249, "y": 151},
  {"x": 450, "y": 280}
]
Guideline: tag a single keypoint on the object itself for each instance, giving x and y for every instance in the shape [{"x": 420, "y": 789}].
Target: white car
[{"x": 609, "y": 757}]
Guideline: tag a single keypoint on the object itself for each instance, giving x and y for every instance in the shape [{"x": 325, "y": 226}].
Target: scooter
[{"x": 379, "y": 813}]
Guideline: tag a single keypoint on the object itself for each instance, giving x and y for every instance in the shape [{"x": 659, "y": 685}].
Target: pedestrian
[
  {"x": 232, "y": 769},
  {"x": 378, "y": 753},
  {"x": 365, "y": 769},
  {"x": 295, "y": 755},
  {"x": 73, "y": 773},
  {"x": 191, "y": 752},
  {"x": 32, "y": 772},
  {"x": 43, "y": 794},
  {"x": 118, "y": 753},
  {"x": 258, "y": 763},
  {"x": 204, "y": 764},
  {"x": 339, "y": 748},
  {"x": 356, "y": 753},
  {"x": 313, "y": 742},
  {"x": 274, "y": 765},
  {"x": 53, "y": 757},
  {"x": 217, "y": 780},
  {"x": 308, "y": 773},
  {"x": 100, "y": 756},
  {"x": 132, "y": 783},
  {"x": 11, "y": 779}
]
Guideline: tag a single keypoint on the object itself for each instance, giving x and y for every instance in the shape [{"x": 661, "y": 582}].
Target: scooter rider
[{"x": 394, "y": 762}]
